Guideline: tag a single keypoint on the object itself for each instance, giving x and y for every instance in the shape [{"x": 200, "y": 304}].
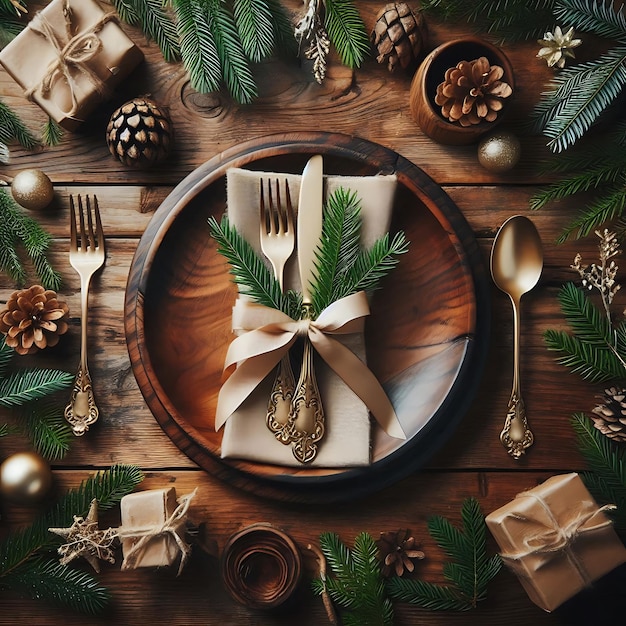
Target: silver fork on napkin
[
  {"x": 86, "y": 257},
  {"x": 278, "y": 243}
]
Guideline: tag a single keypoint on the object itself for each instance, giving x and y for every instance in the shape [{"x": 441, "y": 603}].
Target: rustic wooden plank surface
[{"x": 372, "y": 104}]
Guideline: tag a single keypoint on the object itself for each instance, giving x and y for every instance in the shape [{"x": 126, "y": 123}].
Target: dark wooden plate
[{"x": 426, "y": 338}]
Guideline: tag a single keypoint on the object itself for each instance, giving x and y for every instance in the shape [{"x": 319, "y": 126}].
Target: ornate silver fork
[
  {"x": 86, "y": 257},
  {"x": 277, "y": 243}
]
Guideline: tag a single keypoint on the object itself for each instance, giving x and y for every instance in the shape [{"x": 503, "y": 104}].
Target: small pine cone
[
  {"x": 139, "y": 133},
  {"x": 397, "y": 549},
  {"x": 399, "y": 35},
  {"x": 33, "y": 318},
  {"x": 472, "y": 92},
  {"x": 610, "y": 416}
]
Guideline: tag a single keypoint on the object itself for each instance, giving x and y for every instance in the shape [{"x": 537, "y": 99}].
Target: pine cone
[
  {"x": 33, "y": 318},
  {"x": 472, "y": 92},
  {"x": 610, "y": 416},
  {"x": 398, "y": 35},
  {"x": 397, "y": 549},
  {"x": 139, "y": 133}
]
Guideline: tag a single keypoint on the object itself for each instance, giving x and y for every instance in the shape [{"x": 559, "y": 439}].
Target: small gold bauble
[
  {"x": 499, "y": 152},
  {"x": 25, "y": 477},
  {"x": 32, "y": 189}
]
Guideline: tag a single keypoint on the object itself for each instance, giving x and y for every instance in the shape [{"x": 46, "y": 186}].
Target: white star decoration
[
  {"x": 557, "y": 47},
  {"x": 84, "y": 539}
]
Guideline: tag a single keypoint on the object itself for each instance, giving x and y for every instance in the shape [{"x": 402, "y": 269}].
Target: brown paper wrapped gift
[
  {"x": 556, "y": 539},
  {"x": 69, "y": 58},
  {"x": 153, "y": 528}
]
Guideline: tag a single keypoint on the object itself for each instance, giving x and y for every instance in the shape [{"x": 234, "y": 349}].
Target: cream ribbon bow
[{"x": 260, "y": 349}]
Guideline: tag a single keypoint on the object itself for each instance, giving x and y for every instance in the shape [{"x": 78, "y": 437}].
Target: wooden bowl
[
  {"x": 426, "y": 336},
  {"x": 431, "y": 73},
  {"x": 261, "y": 566}
]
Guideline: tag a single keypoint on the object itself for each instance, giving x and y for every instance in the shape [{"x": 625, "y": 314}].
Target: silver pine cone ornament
[
  {"x": 139, "y": 133},
  {"x": 398, "y": 36},
  {"x": 609, "y": 417}
]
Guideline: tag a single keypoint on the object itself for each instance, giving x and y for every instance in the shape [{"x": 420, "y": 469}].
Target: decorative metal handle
[
  {"x": 516, "y": 436},
  {"x": 82, "y": 411},
  {"x": 307, "y": 417},
  {"x": 279, "y": 405}
]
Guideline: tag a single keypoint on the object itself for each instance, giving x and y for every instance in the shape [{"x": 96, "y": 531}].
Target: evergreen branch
[
  {"x": 236, "y": 69},
  {"x": 253, "y": 19},
  {"x": 579, "y": 95},
  {"x": 28, "y": 385},
  {"x": 4, "y": 153},
  {"x": 12, "y": 128},
  {"x": 347, "y": 32},
  {"x": 51, "y": 133},
  {"x": 9, "y": 29},
  {"x": 154, "y": 21},
  {"x": 197, "y": 45},
  {"x": 107, "y": 487},
  {"x": 606, "y": 478},
  {"x": 283, "y": 29},
  {"x": 12, "y": 7},
  {"x": 250, "y": 273},
  {"x": 590, "y": 362},
  {"x": 43, "y": 578},
  {"x": 593, "y": 16},
  {"x": 48, "y": 430},
  {"x": 470, "y": 572},
  {"x": 6, "y": 354}
]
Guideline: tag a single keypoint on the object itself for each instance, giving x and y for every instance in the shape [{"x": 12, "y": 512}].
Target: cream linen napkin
[{"x": 347, "y": 439}]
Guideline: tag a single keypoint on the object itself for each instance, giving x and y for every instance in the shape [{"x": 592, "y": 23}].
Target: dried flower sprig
[
  {"x": 557, "y": 47},
  {"x": 310, "y": 29}
]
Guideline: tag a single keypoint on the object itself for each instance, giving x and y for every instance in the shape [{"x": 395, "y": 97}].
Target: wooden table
[{"x": 372, "y": 104}]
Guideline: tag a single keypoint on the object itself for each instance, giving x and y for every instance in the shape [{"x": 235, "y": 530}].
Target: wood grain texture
[{"x": 372, "y": 104}]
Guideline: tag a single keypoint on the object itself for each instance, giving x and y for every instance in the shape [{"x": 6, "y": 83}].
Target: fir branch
[
  {"x": 6, "y": 354},
  {"x": 47, "y": 429},
  {"x": 9, "y": 29},
  {"x": 154, "y": 21},
  {"x": 235, "y": 67},
  {"x": 283, "y": 29},
  {"x": 51, "y": 133},
  {"x": 358, "y": 584},
  {"x": 606, "y": 478},
  {"x": 578, "y": 96},
  {"x": 13, "y": 7},
  {"x": 4, "y": 153},
  {"x": 29, "y": 385},
  {"x": 61, "y": 585},
  {"x": 107, "y": 487},
  {"x": 470, "y": 572},
  {"x": 253, "y": 19},
  {"x": 250, "y": 273},
  {"x": 12, "y": 128},
  {"x": 197, "y": 45},
  {"x": 347, "y": 32},
  {"x": 599, "y": 17}
]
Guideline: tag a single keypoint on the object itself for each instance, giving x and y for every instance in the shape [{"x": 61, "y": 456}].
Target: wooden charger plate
[{"x": 426, "y": 337}]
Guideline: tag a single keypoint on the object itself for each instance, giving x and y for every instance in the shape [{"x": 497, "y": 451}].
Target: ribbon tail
[{"x": 360, "y": 379}]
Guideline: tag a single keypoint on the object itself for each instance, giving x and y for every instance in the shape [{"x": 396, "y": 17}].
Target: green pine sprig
[
  {"x": 253, "y": 20},
  {"x": 155, "y": 22},
  {"x": 20, "y": 230},
  {"x": 602, "y": 18},
  {"x": 12, "y": 7},
  {"x": 347, "y": 32},
  {"x": 47, "y": 428},
  {"x": 26, "y": 555},
  {"x": 12, "y": 128},
  {"x": 51, "y": 133},
  {"x": 9, "y": 29},
  {"x": 595, "y": 349},
  {"x": 250, "y": 273},
  {"x": 606, "y": 460},
  {"x": 468, "y": 574},
  {"x": 357, "y": 584}
]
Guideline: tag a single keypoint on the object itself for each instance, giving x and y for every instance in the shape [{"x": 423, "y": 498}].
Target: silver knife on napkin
[{"x": 307, "y": 411}]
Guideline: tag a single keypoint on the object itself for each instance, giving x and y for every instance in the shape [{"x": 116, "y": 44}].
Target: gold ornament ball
[
  {"x": 499, "y": 152},
  {"x": 32, "y": 189},
  {"x": 25, "y": 477}
]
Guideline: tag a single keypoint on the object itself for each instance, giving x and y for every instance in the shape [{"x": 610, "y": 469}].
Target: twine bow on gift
[
  {"x": 172, "y": 526},
  {"x": 270, "y": 335},
  {"x": 552, "y": 540},
  {"x": 72, "y": 53}
]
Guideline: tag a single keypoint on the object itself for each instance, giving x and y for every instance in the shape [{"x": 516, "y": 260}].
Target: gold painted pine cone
[
  {"x": 33, "y": 319},
  {"x": 398, "y": 35},
  {"x": 472, "y": 92},
  {"x": 140, "y": 132},
  {"x": 610, "y": 416}
]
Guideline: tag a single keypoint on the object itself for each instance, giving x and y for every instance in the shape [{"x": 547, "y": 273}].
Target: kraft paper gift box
[
  {"x": 556, "y": 539},
  {"x": 69, "y": 58},
  {"x": 150, "y": 517},
  {"x": 347, "y": 440}
]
